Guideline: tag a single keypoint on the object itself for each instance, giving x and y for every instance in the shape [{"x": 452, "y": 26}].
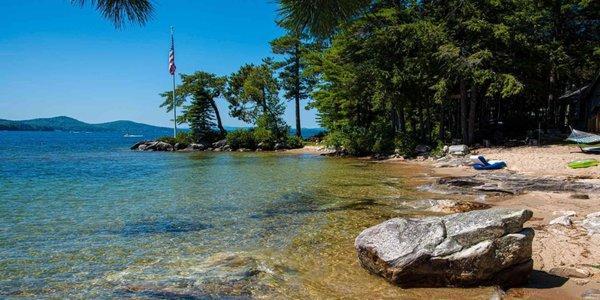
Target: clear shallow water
[{"x": 83, "y": 216}]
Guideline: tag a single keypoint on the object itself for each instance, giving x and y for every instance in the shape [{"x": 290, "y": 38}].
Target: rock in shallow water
[{"x": 484, "y": 247}]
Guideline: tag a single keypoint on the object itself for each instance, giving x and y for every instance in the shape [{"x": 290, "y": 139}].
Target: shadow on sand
[{"x": 544, "y": 280}]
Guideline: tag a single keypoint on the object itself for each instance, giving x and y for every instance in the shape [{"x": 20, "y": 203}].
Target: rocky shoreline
[{"x": 217, "y": 146}]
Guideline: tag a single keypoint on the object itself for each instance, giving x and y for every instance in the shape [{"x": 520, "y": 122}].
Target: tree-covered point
[
  {"x": 398, "y": 73},
  {"x": 392, "y": 74}
]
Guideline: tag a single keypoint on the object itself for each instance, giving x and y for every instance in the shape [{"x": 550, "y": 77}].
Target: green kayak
[{"x": 584, "y": 163}]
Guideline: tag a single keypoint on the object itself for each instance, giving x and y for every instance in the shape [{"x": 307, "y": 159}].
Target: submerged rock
[
  {"x": 484, "y": 247},
  {"x": 225, "y": 275}
]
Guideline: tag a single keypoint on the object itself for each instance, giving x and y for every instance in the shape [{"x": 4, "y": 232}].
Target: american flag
[{"x": 172, "y": 57}]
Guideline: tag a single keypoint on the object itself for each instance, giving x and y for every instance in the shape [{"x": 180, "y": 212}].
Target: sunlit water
[{"x": 83, "y": 216}]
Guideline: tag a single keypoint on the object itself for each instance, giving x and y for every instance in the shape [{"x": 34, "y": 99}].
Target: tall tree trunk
[
  {"x": 429, "y": 119},
  {"x": 472, "y": 114},
  {"x": 263, "y": 101},
  {"x": 420, "y": 121},
  {"x": 463, "y": 111},
  {"x": 442, "y": 118},
  {"x": 297, "y": 86},
  {"x": 551, "y": 101},
  {"x": 401, "y": 120},
  {"x": 394, "y": 117},
  {"x": 218, "y": 116}
]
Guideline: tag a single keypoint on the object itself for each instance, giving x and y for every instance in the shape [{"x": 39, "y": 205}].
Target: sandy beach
[
  {"x": 556, "y": 248},
  {"x": 544, "y": 160}
]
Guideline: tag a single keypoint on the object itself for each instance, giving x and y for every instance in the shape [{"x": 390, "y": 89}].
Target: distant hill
[{"x": 63, "y": 123}]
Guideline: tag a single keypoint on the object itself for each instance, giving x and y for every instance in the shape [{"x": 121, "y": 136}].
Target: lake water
[{"x": 82, "y": 216}]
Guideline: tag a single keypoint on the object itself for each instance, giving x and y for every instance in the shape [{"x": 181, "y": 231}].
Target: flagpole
[{"x": 174, "y": 100}]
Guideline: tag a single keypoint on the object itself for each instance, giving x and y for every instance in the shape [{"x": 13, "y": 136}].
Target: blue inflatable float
[{"x": 480, "y": 163}]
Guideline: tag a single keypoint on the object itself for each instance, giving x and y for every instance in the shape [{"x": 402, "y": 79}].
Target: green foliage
[
  {"x": 294, "y": 142},
  {"x": 263, "y": 135},
  {"x": 335, "y": 139},
  {"x": 426, "y": 72},
  {"x": 253, "y": 95},
  {"x": 241, "y": 138},
  {"x": 182, "y": 138},
  {"x": 121, "y": 11},
  {"x": 318, "y": 17},
  {"x": 197, "y": 94},
  {"x": 405, "y": 145}
]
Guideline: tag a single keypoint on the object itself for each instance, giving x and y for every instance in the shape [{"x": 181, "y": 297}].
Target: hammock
[{"x": 581, "y": 137}]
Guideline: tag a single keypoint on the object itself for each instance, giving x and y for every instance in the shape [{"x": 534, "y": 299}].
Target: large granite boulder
[{"x": 483, "y": 247}]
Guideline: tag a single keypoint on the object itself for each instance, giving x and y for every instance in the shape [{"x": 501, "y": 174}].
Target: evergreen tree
[
  {"x": 200, "y": 90},
  {"x": 253, "y": 95},
  {"x": 294, "y": 81}
]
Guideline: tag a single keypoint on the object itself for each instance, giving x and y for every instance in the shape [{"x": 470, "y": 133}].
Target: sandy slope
[
  {"x": 554, "y": 245},
  {"x": 543, "y": 161}
]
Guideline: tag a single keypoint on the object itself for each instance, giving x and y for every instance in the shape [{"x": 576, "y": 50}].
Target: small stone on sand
[
  {"x": 562, "y": 220},
  {"x": 570, "y": 272}
]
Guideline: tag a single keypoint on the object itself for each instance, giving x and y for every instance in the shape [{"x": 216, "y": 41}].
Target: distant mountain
[
  {"x": 63, "y": 123},
  {"x": 308, "y": 132}
]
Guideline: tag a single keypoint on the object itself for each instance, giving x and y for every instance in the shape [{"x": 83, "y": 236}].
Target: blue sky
[{"x": 59, "y": 59}]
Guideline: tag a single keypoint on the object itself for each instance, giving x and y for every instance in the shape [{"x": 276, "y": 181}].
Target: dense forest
[
  {"x": 398, "y": 73},
  {"x": 388, "y": 75}
]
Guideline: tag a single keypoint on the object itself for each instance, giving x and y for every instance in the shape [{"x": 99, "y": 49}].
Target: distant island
[{"x": 63, "y": 123}]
